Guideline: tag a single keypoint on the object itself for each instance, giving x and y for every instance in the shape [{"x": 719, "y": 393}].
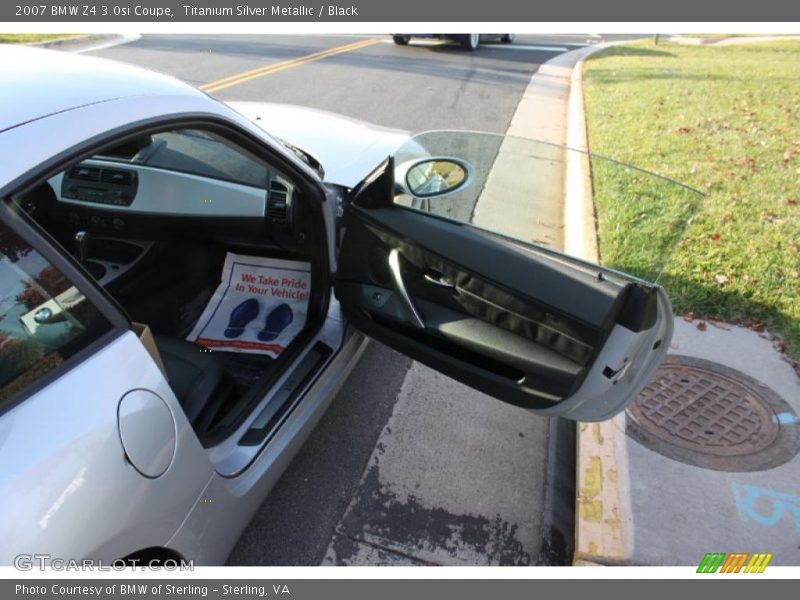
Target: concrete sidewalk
[{"x": 713, "y": 450}]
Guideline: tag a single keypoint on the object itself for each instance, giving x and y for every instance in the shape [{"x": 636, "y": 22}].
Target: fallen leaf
[
  {"x": 701, "y": 326},
  {"x": 791, "y": 202},
  {"x": 688, "y": 317},
  {"x": 721, "y": 279},
  {"x": 719, "y": 324},
  {"x": 716, "y": 237}
]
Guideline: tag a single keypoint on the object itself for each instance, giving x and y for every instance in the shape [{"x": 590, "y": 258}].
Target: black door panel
[
  {"x": 499, "y": 325},
  {"x": 519, "y": 322},
  {"x": 549, "y": 279}
]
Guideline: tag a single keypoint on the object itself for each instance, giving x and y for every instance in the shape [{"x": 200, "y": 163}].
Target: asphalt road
[{"x": 419, "y": 87}]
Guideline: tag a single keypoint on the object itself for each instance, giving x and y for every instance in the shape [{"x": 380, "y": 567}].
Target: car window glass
[
  {"x": 44, "y": 319},
  {"x": 195, "y": 152},
  {"x": 530, "y": 190}
]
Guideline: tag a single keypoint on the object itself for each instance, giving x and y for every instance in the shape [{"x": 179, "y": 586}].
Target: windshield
[{"x": 565, "y": 200}]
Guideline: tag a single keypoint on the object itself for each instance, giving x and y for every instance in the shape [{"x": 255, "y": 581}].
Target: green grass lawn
[
  {"x": 725, "y": 120},
  {"x": 27, "y": 38}
]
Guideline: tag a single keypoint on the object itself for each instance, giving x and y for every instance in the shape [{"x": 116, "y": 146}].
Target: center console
[{"x": 108, "y": 259}]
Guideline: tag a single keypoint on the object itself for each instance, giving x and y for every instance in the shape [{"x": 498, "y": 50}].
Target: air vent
[
  {"x": 278, "y": 204},
  {"x": 89, "y": 183},
  {"x": 85, "y": 173},
  {"x": 115, "y": 177}
]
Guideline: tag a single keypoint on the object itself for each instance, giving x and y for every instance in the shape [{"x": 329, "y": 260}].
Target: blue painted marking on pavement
[
  {"x": 786, "y": 418},
  {"x": 770, "y": 510}
]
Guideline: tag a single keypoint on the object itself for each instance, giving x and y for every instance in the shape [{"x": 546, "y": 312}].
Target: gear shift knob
[{"x": 83, "y": 240}]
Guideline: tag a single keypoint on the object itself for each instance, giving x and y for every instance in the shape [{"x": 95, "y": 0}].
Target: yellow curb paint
[
  {"x": 598, "y": 437},
  {"x": 590, "y": 510},
  {"x": 593, "y": 477},
  {"x": 239, "y": 78},
  {"x": 603, "y": 534}
]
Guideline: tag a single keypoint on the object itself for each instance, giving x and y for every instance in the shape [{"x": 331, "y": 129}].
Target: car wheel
[
  {"x": 401, "y": 40},
  {"x": 471, "y": 41},
  {"x": 507, "y": 38}
]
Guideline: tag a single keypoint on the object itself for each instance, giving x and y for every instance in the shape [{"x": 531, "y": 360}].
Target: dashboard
[
  {"x": 105, "y": 195},
  {"x": 179, "y": 185},
  {"x": 140, "y": 189}
]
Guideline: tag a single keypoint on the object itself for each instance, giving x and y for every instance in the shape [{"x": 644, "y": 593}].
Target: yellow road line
[{"x": 221, "y": 84}]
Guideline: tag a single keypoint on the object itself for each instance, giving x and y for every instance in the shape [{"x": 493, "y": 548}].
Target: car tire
[
  {"x": 507, "y": 38},
  {"x": 401, "y": 40},
  {"x": 471, "y": 41}
]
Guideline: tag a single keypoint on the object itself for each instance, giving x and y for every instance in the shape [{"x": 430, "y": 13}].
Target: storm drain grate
[{"x": 708, "y": 415}]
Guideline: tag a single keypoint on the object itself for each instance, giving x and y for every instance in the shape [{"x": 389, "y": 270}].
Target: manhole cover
[{"x": 708, "y": 415}]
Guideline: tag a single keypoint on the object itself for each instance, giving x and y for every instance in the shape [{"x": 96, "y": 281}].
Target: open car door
[{"x": 453, "y": 254}]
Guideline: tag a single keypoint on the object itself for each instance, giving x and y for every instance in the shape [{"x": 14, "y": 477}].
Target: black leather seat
[{"x": 197, "y": 378}]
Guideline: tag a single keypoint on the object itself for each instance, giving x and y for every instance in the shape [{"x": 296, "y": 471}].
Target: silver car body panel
[
  {"x": 80, "y": 81},
  {"x": 67, "y": 487},
  {"x": 229, "y": 457},
  {"x": 347, "y": 148},
  {"x": 243, "y": 494}
]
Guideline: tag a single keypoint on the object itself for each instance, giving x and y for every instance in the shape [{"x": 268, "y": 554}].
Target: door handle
[
  {"x": 435, "y": 278},
  {"x": 397, "y": 277}
]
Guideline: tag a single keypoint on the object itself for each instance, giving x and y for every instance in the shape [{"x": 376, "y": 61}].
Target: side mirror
[{"x": 433, "y": 176}]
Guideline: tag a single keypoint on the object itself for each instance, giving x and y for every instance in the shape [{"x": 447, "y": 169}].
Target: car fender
[{"x": 347, "y": 148}]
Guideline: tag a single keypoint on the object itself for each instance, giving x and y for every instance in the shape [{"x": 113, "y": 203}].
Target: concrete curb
[
  {"x": 603, "y": 522},
  {"x": 580, "y": 227},
  {"x": 86, "y": 43},
  {"x": 69, "y": 42}
]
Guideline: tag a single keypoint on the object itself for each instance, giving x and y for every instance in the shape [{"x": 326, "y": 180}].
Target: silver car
[{"x": 123, "y": 191}]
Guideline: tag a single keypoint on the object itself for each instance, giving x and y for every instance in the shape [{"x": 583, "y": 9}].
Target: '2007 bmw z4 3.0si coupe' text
[{"x": 186, "y": 285}]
